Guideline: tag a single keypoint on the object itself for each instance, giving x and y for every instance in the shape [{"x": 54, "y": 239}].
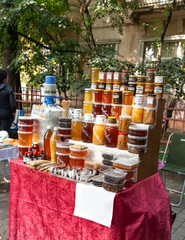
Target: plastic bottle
[
  {"x": 53, "y": 141},
  {"x": 47, "y": 137},
  {"x": 98, "y": 130}
]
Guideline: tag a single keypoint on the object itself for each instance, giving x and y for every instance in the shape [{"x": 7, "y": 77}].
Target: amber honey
[
  {"x": 116, "y": 110},
  {"x": 76, "y": 130},
  {"x": 25, "y": 138}
]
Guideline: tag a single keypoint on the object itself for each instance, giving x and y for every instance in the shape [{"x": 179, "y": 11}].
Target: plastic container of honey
[
  {"x": 138, "y": 149},
  {"x": 65, "y": 138},
  {"x": 97, "y": 109},
  {"x": 126, "y": 110},
  {"x": 128, "y": 98},
  {"x": 22, "y": 150},
  {"x": 62, "y": 159},
  {"x": 107, "y": 96},
  {"x": 106, "y": 110},
  {"x": 137, "y": 114},
  {"x": 149, "y": 115},
  {"x": 124, "y": 123},
  {"x": 98, "y": 130},
  {"x": 116, "y": 110},
  {"x": 63, "y": 147},
  {"x": 88, "y": 94},
  {"x": 75, "y": 162},
  {"x": 75, "y": 152},
  {"x": 95, "y": 74},
  {"x": 25, "y": 138},
  {"x": 26, "y": 128},
  {"x": 26, "y": 120},
  {"x": 64, "y": 131},
  {"x": 87, "y": 107},
  {"x": 139, "y": 130},
  {"x": 98, "y": 95},
  {"x": 137, "y": 140}
]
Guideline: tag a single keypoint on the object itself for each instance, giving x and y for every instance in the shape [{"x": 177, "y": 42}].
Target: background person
[{"x": 7, "y": 103}]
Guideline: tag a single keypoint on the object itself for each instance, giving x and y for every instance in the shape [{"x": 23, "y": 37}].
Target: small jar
[
  {"x": 125, "y": 76},
  {"x": 128, "y": 98},
  {"x": 97, "y": 109},
  {"x": 117, "y": 97},
  {"x": 103, "y": 76},
  {"x": 116, "y": 110},
  {"x": 141, "y": 79},
  {"x": 126, "y": 110},
  {"x": 109, "y": 86},
  {"x": 132, "y": 87},
  {"x": 110, "y": 75},
  {"x": 124, "y": 123},
  {"x": 122, "y": 141},
  {"x": 111, "y": 132},
  {"x": 158, "y": 90},
  {"x": 64, "y": 131},
  {"x": 102, "y": 85},
  {"x": 124, "y": 87},
  {"x": 151, "y": 100},
  {"x": 139, "y": 100},
  {"x": 106, "y": 109},
  {"x": 107, "y": 96},
  {"x": 63, "y": 147},
  {"x": 150, "y": 75},
  {"x": 116, "y": 86},
  {"x": 94, "y": 85},
  {"x": 78, "y": 152},
  {"x": 117, "y": 76},
  {"x": 132, "y": 78},
  {"x": 87, "y": 107},
  {"x": 149, "y": 88},
  {"x": 159, "y": 79},
  {"x": 137, "y": 114},
  {"x": 88, "y": 94},
  {"x": 138, "y": 149},
  {"x": 22, "y": 151},
  {"x": 140, "y": 88},
  {"x": 149, "y": 115},
  {"x": 95, "y": 74},
  {"x": 98, "y": 95}
]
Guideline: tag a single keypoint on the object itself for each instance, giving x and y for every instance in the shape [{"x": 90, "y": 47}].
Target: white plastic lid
[
  {"x": 139, "y": 95},
  {"x": 20, "y": 146},
  {"x": 55, "y": 130},
  {"x": 97, "y": 103},
  {"x": 23, "y": 125},
  {"x": 100, "y": 119},
  {"x": 26, "y": 118},
  {"x": 88, "y": 117},
  {"x": 62, "y": 135},
  {"x": 130, "y": 106},
  {"x": 132, "y": 83},
  {"x": 106, "y": 104},
  {"x": 135, "y": 137},
  {"x": 117, "y": 105},
  {"x": 136, "y": 106},
  {"x": 88, "y": 102},
  {"x": 64, "y": 128},
  {"x": 150, "y": 108},
  {"x": 62, "y": 154},
  {"x": 136, "y": 146},
  {"x": 49, "y": 127},
  {"x": 88, "y": 89},
  {"x": 78, "y": 150},
  {"x": 77, "y": 158},
  {"x": 140, "y": 127},
  {"x": 62, "y": 145},
  {"x": 125, "y": 117},
  {"x": 24, "y": 132}
]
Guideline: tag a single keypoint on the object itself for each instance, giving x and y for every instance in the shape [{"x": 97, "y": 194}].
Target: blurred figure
[{"x": 7, "y": 103}]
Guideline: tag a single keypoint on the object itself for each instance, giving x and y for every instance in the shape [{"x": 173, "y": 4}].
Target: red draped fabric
[{"x": 42, "y": 206}]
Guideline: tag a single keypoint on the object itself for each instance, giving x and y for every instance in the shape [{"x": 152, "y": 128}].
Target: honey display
[
  {"x": 150, "y": 75},
  {"x": 22, "y": 150},
  {"x": 117, "y": 97},
  {"x": 124, "y": 123},
  {"x": 103, "y": 76},
  {"x": 25, "y": 128},
  {"x": 151, "y": 100},
  {"x": 158, "y": 90},
  {"x": 63, "y": 147},
  {"x": 117, "y": 76},
  {"x": 140, "y": 88},
  {"x": 76, "y": 129},
  {"x": 87, "y": 107},
  {"x": 76, "y": 162},
  {"x": 107, "y": 96},
  {"x": 102, "y": 85},
  {"x": 111, "y": 132},
  {"x": 159, "y": 79},
  {"x": 149, "y": 88},
  {"x": 98, "y": 95},
  {"x": 128, "y": 98},
  {"x": 116, "y": 110},
  {"x": 98, "y": 130},
  {"x": 139, "y": 100},
  {"x": 88, "y": 95},
  {"x": 137, "y": 114},
  {"x": 95, "y": 74},
  {"x": 26, "y": 120},
  {"x": 126, "y": 110},
  {"x": 141, "y": 79},
  {"x": 106, "y": 110},
  {"x": 87, "y": 128},
  {"x": 122, "y": 141},
  {"x": 78, "y": 151},
  {"x": 125, "y": 76},
  {"x": 149, "y": 115},
  {"x": 97, "y": 109},
  {"x": 62, "y": 159},
  {"x": 110, "y": 76},
  {"x": 25, "y": 138}
]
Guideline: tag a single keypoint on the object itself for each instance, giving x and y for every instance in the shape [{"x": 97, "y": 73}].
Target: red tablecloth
[{"x": 42, "y": 206}]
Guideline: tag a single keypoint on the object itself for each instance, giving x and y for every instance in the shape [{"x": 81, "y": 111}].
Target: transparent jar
[
  {"x": 98, "y": 95},
  {"x": 150, "y": 75},
  {"x": 132, "y": 87},
  {"x": 141, "y": 79},
  {"x": 103, "y": 76},
  {"x": 107, "y": 96},
  {"x": 116, "y": 110},
  {"x": 140, "y": 88},
  {"x": 87, "y": 128},
  {"x": 106, "y": 109},
  {"x": 116, "y": 86},
  {"x": 124, "y": 123},
  {"x": 117, "y": 76},
  {"x": 88, "y": 94},
  {"x": 94, "y": 85},
  {"x": 122, "y": 141},
  {"x": 99, "y": 130},
  {"x": 109, "y": 86},
  {"x": 102, "y": 85},
  {"x": 97, "y": 109},
  {"x": 95, "y": 74},
  {"x": 151, "y": 100},
  {"x": 149, "y": 115},
  {"x": 137, "y": 114},
  {"x": 139, "y": 100},
  {"x": 87, "y": 107},
  {"x": 158, "y": 90},
  {"x": 125, "y": 76},
  {"x": 76, "y": 129},
  {"x": 124, "y": 87},
  {"x": 128, "y": 98},
  {"x": 117, "y": 97},
  {"x": 132, "y": 78},
  {"x": 126, "y": 110},
  {"x": 110, "y": 75},
  {"x": 159, "y": 79},
  {"x": 149, "y": 88},
  {"x": 111, "y": 132}
]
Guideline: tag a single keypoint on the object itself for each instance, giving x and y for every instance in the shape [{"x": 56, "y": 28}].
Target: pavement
[{"x": 172, "y": 181}]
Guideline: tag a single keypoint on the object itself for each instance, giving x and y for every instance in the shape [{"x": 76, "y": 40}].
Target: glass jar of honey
[
  {"x": 116, "y": 86},
  {"x": 126, "y": 110},
  {"x": 109, "y": 86},
  {"x": 95, "y": 74},
  {"x": 87, "y": 128},
  {"x": 150, "y": 75},
  {"x": 76, "y": 129},
  {"x": 132, "y": 87},
  {"x": 25, "y": 138},
  {"x": 122, "y": 141},
  {"x": 111, "y": 132},
  {"x": 124, "y": 123},
  {"x": 149, "y": 88},
  {"x": 110, "y": 75},
  {"x": 139, "y": 100},
  {"x": 87, "y": 107},
  {"x": 128, "y": 98},
  {"x": 149, "y": 115},
  {"x": 117, "y": 76},
  {"x": 107, "y": 96},
  {"x": 88, "y": 94},
  {"x": 98, "y": 95},
  {"x": 103, "y": 76},
  {"x": 116, "y": 110},
  {"x": 151, "y": 100},
  {"x": 140, "y": 88},
  {"x": 132, "y": 78},
  {"x": 99, "y": 130},
  {"x": 97, "y": 109},
  {"x": 125, "y": 76},
  {"x": 158, "y": 90},
  {"x": 106, "y": 109},
  {"x": 76, "y": 162},
  {"x": 117, "y": 97},
  {"x": 137, "y": 114},
  {"x": 26, "y": 120},
  {"x": 141, "y": 79}
]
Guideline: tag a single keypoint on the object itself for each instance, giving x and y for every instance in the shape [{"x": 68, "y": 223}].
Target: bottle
[
  {"x": 42, "y": 154},
  {"x": 98, "y": 130},
  {"x": 29, "y": 149},
  {"x": 87, "y": 128},
  {"x": 39, "y": 157},
  {"x": 29, "y": 158},
  {"x": 47, "y": 137},
  {"x": 34, "y": 157},
  {"x": 25, "y": 157},
  {"x": 53, "y": 141}
]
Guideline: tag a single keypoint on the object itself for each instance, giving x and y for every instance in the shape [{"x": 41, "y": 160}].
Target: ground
[{"x": 178, "y": 228}]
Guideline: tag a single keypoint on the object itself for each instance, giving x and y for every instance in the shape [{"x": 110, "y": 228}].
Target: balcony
[{"x": 158, "y": 3}]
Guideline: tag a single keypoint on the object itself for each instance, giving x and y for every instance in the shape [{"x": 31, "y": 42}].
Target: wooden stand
[{"x": 149, "y": 160}]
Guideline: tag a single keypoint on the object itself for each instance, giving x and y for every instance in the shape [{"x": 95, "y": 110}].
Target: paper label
[
  {"x": 93, "y": 86},
  {"x": 108, "y": 87},
  {"x": 102, "y": 76},
  {"x": 150, "y": 100},
  {"x": 138, "y": 100},
  {"x": 139, "y": 89},
  {"x": 109, "y": 76},
  {"x": 158, "y": 90},
  {"x": 115, "y": 96},
  {"x": 158, "y": 79},
  {"x": 116, "y": 76},
  {"x": 116, "y": 87},
  {"x": 131, "y": 89},
  {"x": 101, "y": 86}
]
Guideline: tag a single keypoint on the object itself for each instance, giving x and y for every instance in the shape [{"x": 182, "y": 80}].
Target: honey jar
[
  {"x": 95, "y": 74},
  {"x": 102, "y": 85},
  {"x": 140, "y": 88},
  {"x": 149, "y": 88},
  {"x": 158, "y": 90},
  {"x": 124, "y": 87},
  {"x": 125, "y": 76},
  {"x": 132, "y": 78},
  {"x": 139, "y": 100},
  {"x": 137, "y": 114},
  {"x": 109, "y": 86},
  {"x": 122, "y": 141},
  {"x": 126, "y": 110},
  {"x": 107, "y": 96},
  {"x": 149, "y": 115},
  {"x": 98, "y": 95},
  {"x": 150, "y": 75},
  {"x": 87, "y": 128},
  {"x": 87, "y": 107},
  {"x": 124, "y": 123},
  {"x": 116, "y": 110},
  {"x": 132, "y": 87},
  {"x": 25, "y": 138},
  {"x": 106, "y": 109},
  {"x": 88, "y": 94},
  {"x": 103, "y": 76},
  {"x": 94, "y": 85},
  {"x": 110, "y": 75},
  {"x": 117, "y": 76},
  {"x": 76, "y": 129},
  {"x": 26, "y": 120},
  {"x": 117, "y": 97},
  {"x": 151, "y": 100},
  {"x": 116, "y": 86},
  {"x": 128, "y": 98},
  {"x": 141, "y": 79},
  {"x": 97, "y": 109},
  {"x": 111, "y": 132},
  {"x": 98, "y": 130},
  {"x": 159, "y": 79}
]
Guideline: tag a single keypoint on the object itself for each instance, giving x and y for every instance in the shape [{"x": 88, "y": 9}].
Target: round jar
[
  {"x": 138, "y": 130},
  {"x": 139, "y": 100},
  {"x": 95, "y": 74},
  {"x": 158, "y": 90},
  {"x": 124, "y": 87},
  {"x": 151, "y": 100},
  {"x": 116, "y": 86},
  {"x": 62, "y": 159},
  {"x": 98, "y": 95},
  {"x": 87, "y": 107},
  {"x": 141, "y": 79},
  {"x": 106, "y": 109},
  {"x": 36, "y": 147},
  {"x": 137, "y": 140},
  {"x": 64, "y": 131},
  {"x": 159, "y": 79},
  {"x": 88, "y": 94},
  {"x": 122, "y": 141},
  {"x": 65, "y": 138},
  {"x": 76, "y": 129},
  {"x": 117, "y": 76},
  {"x": 94, "y": 85},
  {"x": 111, "y": 135},
  {"x": 126, "y": 110},
  {"x": 63, "y": 147},
  {"x": 125, "y": 76},
  {"x": 127, "y": 97},
  {"x": 132, "y": 78},
  {"x": 109, "y": 86},
  {"x": 22, "y": 150},
  {"x": 149, "y": 115},
  {"x": 25, "y": 138},
  {"x": 124, "y": 123},
  {"x": 150, "y": 75},
  {"x": 117, "y": 97},
  {"x": 75, "y": 162},
  {"x": 149, "y": 88},
  {"x": 103, "y": 76},
  {"x": 110, "y": 75},
  {"x": 99, "y": 130},
  {"x": 140, "y": 88},
  {"x": 116, "y": 110},
  {"x": 107, "y": 96},
  {"x": 102, "y": 85},
  {"x": 138, "y": 149},
  {"x": 78, "y": 152},
  {"x": 132, "y": 87},
  {"x": 25, "y": 128},
  {"x": 137, "y": 114},
  {"x": 97, "y": 109}
]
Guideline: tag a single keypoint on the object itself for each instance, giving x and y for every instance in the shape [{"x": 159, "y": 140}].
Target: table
[{"x": 42, "y": 206}]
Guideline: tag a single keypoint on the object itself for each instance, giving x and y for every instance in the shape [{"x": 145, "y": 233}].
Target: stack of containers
[
  {"x": 62, "y": 153},
  {"x": 76, "y": 126},
  {"x": 64, "y": 128},
  {"x": 98, "y": 98},
  {"x": 117, "y": 100},
  {"x": 87, "y": 128},
  {"x": 77, "y": 156},
  {"x": 25, "y": 134},
  {"x": 107, "y": 101},
  {"x": 123, "y": 130},
  {"x": 88, "y": 103}
]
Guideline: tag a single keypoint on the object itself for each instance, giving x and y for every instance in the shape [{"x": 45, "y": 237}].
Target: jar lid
[
  {"x": 110, "y": 70},
  {"x": 132, "y": 83},
  {"x": 78, "y": 150},
  {"x": 151, "y": 70},
  {"x": 140, "y": 83},
  {"x": 103, "y": 70},
  {"x": 147, "y": 83},
  {"x": 98, "y": 90},
  {"x": 77, "y": 158},
  {"x": 118, "y": 91},
  {"x": 116, "y": 83},
  {"x": 62, "y": 154},
  {"x": 136, "y": 146},
  {"x": 112, "y": 124},
  {"x": 135, "y": 137},
  {"x": 127, "y": 106},
  {"x": 131, "y": 76},
  {"x": 62, "y": 135},
  {"x": 117, "y": 71},
  {"x": 97, "y": 103},
  {"x": 107, "y": 90},
  {"x": 117, "y": 105},
  {"x": 88, "y": 117},
  {"x": 64, "y": 145},
  {"x": 95, "y": 68},
  {"x": 88, "y": 89},
  {"x": 150, "y": 108},
  {"x": 128, "y": 92},
  {"x": 64, "y": 128},
  {"x": 125, "y": 71},
  {"x": 139, "y": 127},
  {"x": 20, "y": 146},
  {"x": 24, "y": 125},
  {"x": 26, "y": 118},
  {"x": 24, "y": 132},
  {"x": 136, "y": 106},
  {"x": 125, "y": 117},
  {"x": 112, "y": 117},
  {"x": 88, "y": 102},
  {"x": 160, "y": 84},
  {"x": 106, "y": 104},
  {"x": 139, "y": 95},
  {"x": 100, "y": 119}
]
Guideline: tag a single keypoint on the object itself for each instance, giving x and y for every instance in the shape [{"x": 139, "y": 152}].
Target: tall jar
[
  {"x": 98, "y": 95},
  {"x": 95, "y": 74},
  {"x": 128, "y": 98},
  {"x": 117, "y": 97},
  {"x": 158, "y": 90},
  {"x": 132, "y": 87},
  {"x": 87, "y": 107},
  {"x": 149, "y": 88},
  {"x": 122, "y": 141},
  {"x": 125, "y": 76},
  {"x": 76, "y": 128},
  {"x": 116, "y": 110},
  {"x": 116, "y": 86},
  {"x": 111, "y": 132},
  {"x": 117, "y": 76},
  {"x": 99, "y": 130},
  {"x": 124, "y": 123},
  {"x": 97, "y": 109},
  {"x": 87, "y": 128},
  {"x": 88, "y": 94},
  {"x": 126, "y": 110},
  {"x": 141, "y": 79},
  {"x": 137, "y": 114}
]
